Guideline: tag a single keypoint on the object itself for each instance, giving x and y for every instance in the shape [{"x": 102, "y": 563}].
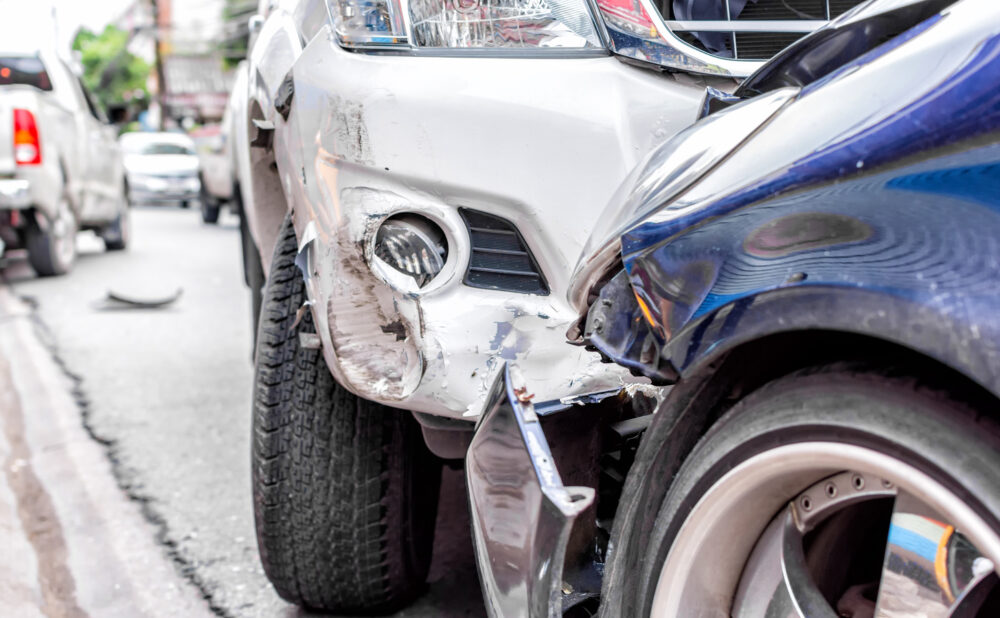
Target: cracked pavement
[{"x": 164, "y": 395}]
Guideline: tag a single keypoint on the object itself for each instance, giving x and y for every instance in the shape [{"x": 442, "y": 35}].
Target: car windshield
[
  {"x": 165, "y": 149},
  {"x": 24, "y": 70}
]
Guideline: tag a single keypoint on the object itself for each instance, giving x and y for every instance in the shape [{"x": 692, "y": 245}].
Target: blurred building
[
  {"x": 190, "y": 33},
  {"x": 197, "y": 86}
]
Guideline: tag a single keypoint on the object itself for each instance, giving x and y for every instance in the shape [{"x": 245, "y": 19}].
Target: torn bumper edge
[{"x": 522, "y": 514}]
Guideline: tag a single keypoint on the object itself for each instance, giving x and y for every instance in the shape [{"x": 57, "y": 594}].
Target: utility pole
[{"x": 161, "y": 82}]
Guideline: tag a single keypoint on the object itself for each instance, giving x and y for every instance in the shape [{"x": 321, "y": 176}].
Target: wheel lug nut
[
  {"x": 806, "y": 503},
  {"x": 831, "y": 490},
  {"x": 887, "y": 483},
  {"x": 858, "y": 482}
]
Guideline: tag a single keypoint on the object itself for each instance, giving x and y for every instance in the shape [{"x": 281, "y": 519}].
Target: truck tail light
[{"x": 27, "y": 147}]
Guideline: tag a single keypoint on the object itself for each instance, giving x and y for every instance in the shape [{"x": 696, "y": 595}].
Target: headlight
[
  {"x": 413, "y": 246},
  {"x": 465, "y": 24}
]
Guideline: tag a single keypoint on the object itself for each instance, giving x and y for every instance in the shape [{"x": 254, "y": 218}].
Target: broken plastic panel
[{"x": 412, "y": 245}]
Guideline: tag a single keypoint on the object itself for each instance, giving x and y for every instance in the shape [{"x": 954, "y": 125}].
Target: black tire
[
  {"x": 210, "y": 206},
  {"x": 345, "y": 492},
  {"x": 209, "y": 212},
  {"x": 118, "y": 233},
  {"x": 893, "y": 415},
  {"x": 51, "y": 255}
]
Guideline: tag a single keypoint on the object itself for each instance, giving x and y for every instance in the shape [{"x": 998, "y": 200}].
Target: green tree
[
  {"x": 111, "y": 72},
  {"x": 235, "y": 14}
]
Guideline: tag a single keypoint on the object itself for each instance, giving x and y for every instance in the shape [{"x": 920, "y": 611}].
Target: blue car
[{"x": 814, "y": 269}]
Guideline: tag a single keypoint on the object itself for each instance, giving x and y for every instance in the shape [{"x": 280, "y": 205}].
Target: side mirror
[{"x": 255, "y": 24}]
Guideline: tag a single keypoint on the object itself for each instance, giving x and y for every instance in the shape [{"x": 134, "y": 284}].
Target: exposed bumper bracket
[{"x": 522, "y": 514}]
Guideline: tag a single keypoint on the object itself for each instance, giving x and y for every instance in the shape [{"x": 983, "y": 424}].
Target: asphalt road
[{"x": 166, "y": 394}]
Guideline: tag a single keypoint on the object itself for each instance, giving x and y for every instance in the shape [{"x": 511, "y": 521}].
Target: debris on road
[{"x": 144, "y": 303}]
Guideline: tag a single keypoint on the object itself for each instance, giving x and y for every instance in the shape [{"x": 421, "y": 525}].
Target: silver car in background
[
  {"x": 60, "y": 167},
  {"x": 161, "y": 167}
]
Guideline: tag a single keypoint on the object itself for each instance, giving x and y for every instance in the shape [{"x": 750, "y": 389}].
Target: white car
[
  {"x": 422, "y": 178},
  {"x": 60, "y": 167},
  {"x": 217, "y": 153},
  {"x": 161, "y": 167}
]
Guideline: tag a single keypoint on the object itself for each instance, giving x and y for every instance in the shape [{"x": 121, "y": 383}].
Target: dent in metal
[
  {"x": 371, "y": 326},
  {"x": 522, "y": 513},
  {"x": 664, "y": 175}
]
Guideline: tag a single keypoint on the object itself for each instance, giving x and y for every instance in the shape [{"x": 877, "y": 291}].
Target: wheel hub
[{"x": 853, "y": 543}]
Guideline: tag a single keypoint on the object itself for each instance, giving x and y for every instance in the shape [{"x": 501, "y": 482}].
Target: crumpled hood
[{"x": 161, "y": 165}]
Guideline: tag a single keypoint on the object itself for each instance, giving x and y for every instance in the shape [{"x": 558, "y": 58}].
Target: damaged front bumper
[
  {"x": 348, "y": 163},
  {"x": 522, "y": 514}
]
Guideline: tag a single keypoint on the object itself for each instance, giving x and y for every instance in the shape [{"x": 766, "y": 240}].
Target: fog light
[{"x": 413, "y": 245}]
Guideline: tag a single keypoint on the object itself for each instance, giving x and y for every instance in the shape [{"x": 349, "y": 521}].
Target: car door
[{"x": 103, "y": 184}]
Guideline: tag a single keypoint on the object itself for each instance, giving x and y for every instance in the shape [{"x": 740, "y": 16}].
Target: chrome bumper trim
[
  {"x": 15, "y": 194},
  {"x": 522, "y": 514}
]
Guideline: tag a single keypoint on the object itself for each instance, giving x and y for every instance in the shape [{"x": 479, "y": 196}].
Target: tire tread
[{"x": 331, "y": 472}]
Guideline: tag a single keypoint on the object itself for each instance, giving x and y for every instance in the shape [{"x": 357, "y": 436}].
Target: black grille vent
[
  {"x": 839, "y": 7},
  {"x": 500, "y": 258},
  {"x": 763, "y": 45},
  {"x": 784, "y": 9},
  {"x": 747, "y": 40}
]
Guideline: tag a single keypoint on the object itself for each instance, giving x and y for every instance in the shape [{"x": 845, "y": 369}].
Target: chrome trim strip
[
  {"x": 668, "y": 50},
  {"x": 804, "y": 26}
]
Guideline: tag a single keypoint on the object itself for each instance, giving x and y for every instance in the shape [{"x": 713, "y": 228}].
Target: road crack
[{"x": 163, "y": 537}]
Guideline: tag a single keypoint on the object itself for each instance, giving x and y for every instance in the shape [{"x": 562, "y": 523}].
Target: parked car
[
  {"x": 225, "y": 167},
  {"x": 161, "y": 168},
  {"x": 216, "y": 172},
  {"x": 220, "y": 185},
  {"x": 421, "y": 186},
  {"x": 814, "y": 269},
  {"x": 60, "y": 167}
]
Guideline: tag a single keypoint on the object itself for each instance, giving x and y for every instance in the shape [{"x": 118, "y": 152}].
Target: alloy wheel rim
[{"x": 740, "y": 551}]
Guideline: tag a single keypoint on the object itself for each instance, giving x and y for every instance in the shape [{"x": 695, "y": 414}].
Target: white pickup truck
[{"x": 60, "y": 166}]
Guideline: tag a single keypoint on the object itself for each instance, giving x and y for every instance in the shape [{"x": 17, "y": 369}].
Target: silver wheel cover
[{"x": 710, "y": 559}]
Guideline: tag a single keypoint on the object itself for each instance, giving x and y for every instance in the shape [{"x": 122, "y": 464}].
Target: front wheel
[
  {"x": 345, "y": 491},
  {"x": 210, "y": 207},
  {"x": 826, "y": 493},
  {"x": 116, "y": 235},
  {"x": 209, "y": 212}
]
